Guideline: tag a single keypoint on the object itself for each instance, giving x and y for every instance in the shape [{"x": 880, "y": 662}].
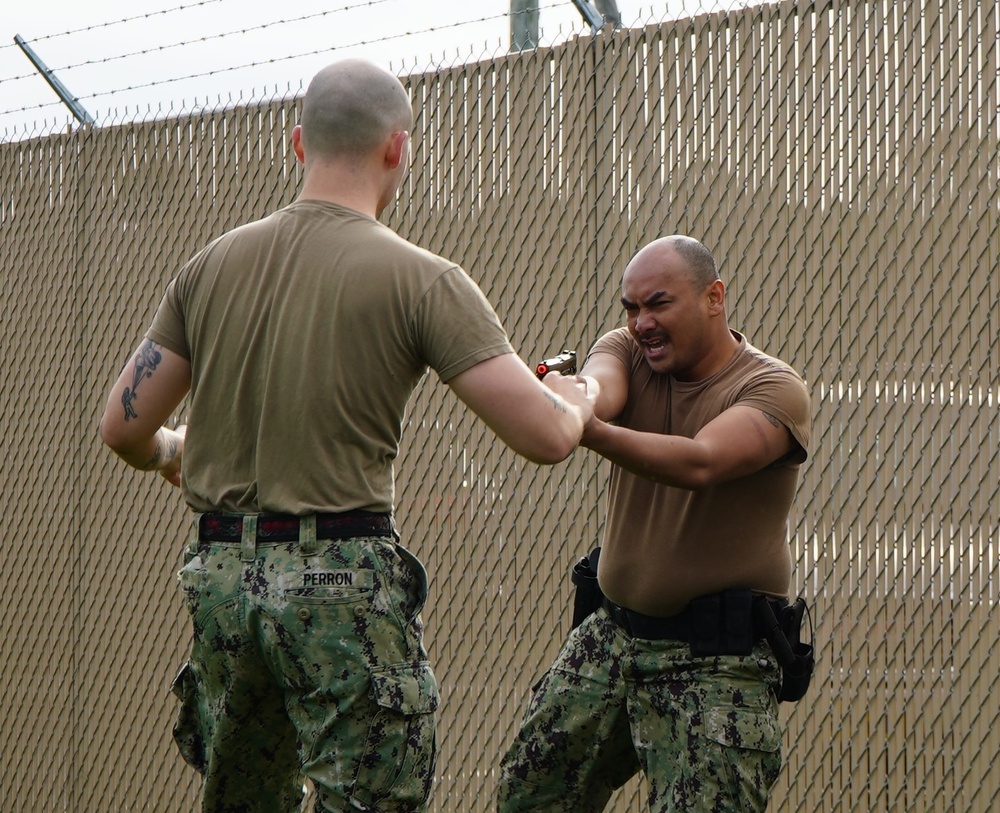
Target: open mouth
[
  {"x": 653, "y": 344},
  {"x": 655, "y": 349}
]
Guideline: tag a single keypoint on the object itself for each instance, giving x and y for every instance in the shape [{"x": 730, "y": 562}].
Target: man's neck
[
  {"x": 720, "y": 356},
  {"x": 344, "y": 186},
  {"x": 356, "y": 203}
]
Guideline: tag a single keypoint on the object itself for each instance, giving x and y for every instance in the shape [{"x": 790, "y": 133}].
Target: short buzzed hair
[
  {"x": 697, "y": 257},
  {"x": 350, "y": 107}
]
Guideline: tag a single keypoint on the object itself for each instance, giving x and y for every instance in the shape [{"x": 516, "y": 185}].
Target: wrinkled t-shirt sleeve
[
  {"x": 784, "y": 395},
  {"x": 617, "y": 343},
  {"x": 456, "y": 327},
  {"x": 167, "y": 328}
]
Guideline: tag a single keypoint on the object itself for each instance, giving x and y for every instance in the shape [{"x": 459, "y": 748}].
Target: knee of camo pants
[
  {"x": 574, "y": 747},
  {"x": 711, "y": 734},
  {"x": 381, "y": 754},
  {"x": 187, "y": 728}
]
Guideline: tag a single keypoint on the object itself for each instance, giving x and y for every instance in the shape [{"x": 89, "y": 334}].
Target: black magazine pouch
[
  {"x": 721, "y": 623},
  {"x": 588, "y": 595}
]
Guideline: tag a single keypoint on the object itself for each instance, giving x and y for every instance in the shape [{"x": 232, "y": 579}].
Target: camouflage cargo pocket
[
  {"x": 397, "y": 765},
  {"x": 187, "y": 727},
  {"x": 750, "y": 743}
]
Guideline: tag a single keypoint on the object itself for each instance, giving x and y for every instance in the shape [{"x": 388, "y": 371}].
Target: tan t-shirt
[
  {"x": 307, "y": 332},
  {"x": 664, "y": 546}
]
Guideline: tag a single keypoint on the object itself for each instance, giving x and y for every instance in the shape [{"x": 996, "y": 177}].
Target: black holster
[
  {"x": 783, "y": 632},
  {"x": 588, "y": 596}
]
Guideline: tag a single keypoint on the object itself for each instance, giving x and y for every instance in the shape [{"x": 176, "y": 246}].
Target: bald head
[
  {"x": 698, "y": 260},
  {"x": 350, "y": 107}
]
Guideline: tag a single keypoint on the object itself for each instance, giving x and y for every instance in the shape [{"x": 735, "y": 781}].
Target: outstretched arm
[
  {"x": 148, "y": 390},
  {"x": 540, "y": 420},
  {"x": 612, "y": 376}
]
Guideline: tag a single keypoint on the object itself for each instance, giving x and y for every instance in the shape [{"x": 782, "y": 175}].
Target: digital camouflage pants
[
  {"x": 307, "y": 660},
  {"x": 704, "y": 731}
]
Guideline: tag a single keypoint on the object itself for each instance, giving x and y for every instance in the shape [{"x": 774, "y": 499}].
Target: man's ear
[
  {"x": 297, "y": 143},
  {"x": 716, "y": 295},
  {"x": 395, "y": 151}
]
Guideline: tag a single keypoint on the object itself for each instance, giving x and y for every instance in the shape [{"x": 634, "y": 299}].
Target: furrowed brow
[{"x": 650, "y": 300}]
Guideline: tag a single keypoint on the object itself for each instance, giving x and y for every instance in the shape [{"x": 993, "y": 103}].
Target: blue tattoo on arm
[{"x": 147, "y": 358}]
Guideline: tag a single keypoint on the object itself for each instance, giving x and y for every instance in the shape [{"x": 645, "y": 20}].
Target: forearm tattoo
[
  {"x": 163, "y": 455},
  {"x": 556, "y": 401},
  {"x": 147, "y": 358}
]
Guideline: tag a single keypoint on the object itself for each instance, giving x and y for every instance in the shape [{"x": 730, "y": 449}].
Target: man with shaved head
[
  {"x": 351, "y": 105},
  {"x": 673, "y": 674},
  {"x": 299, "y": 339}
]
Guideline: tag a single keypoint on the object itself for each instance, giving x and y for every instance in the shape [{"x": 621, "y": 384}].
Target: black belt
[
  {"x": 651, "y": 627},
  {"x": 680, "y": 627},
  {"x": 220, "y": 527}
]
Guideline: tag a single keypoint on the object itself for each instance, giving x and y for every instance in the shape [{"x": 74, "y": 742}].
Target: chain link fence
[{"x": 842, "y": 161}]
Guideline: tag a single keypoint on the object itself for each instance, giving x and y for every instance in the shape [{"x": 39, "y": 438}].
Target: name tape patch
[{"x": 332, "y": 578}]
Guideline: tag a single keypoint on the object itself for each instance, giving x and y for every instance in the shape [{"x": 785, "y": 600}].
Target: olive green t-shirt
[
  {"x": 307, "y": 332},
  {"x": 663, "y": 545}
]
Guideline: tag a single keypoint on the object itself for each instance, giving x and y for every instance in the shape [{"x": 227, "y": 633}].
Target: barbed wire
[
  {"x": 209, "y": 38},
  {"x": 259, "y": 63},
  {"x": 111, "y": 23},
  {"x": 314, "y": 52}
]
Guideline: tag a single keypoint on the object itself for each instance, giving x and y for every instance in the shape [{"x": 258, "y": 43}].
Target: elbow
[
  {"x": 114, "y": 437},
  {"x": 552, "y": 454},
  {"x": 104, "y": 433},
  {"x": 554, "y": 447},
  {"x": 695, "y": 478},
  {"x": 690, "y": 482},
  {"x": 109, "y": 438}
]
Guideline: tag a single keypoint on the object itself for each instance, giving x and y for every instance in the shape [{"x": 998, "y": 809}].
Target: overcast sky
[{"x": 122, "y": 58}]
